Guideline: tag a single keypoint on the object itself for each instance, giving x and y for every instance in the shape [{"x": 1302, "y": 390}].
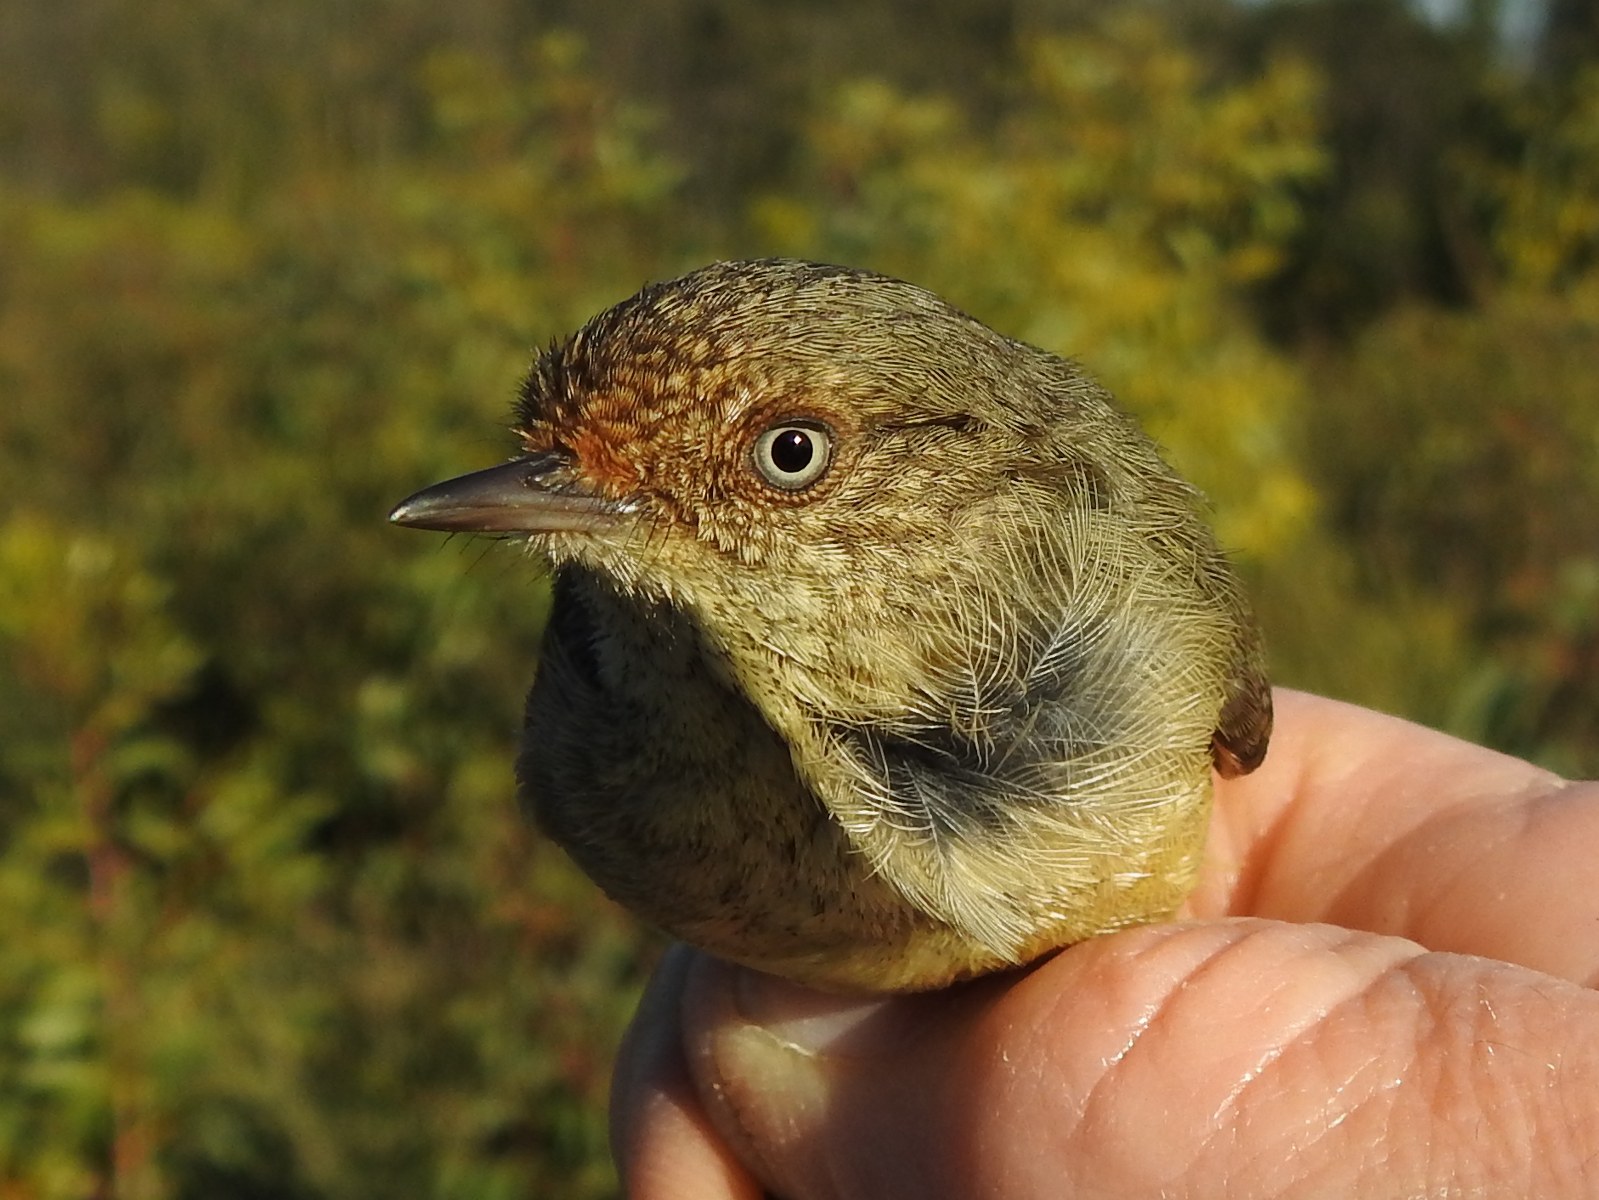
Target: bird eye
[{"x": 793, "y": 455}]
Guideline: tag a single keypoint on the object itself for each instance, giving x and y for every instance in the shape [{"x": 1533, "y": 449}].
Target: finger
[
  {"x": 663, "y": 1147},
  {"x": 1239, "y": 1058},
  {"x": 1367, "y": 821}
]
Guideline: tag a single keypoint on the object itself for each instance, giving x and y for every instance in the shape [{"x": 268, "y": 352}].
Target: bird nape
[{"x": 885, "y": 650}]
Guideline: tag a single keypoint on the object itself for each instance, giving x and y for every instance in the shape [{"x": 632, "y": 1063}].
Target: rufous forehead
[
  {"x": 610, "y": 465},
  {"x": 626, "y": 431}
]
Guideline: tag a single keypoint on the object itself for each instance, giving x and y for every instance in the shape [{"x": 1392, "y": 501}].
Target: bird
[{"x": 884, "y": 651}]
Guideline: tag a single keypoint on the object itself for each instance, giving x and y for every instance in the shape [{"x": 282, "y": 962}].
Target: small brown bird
[{"x": 885, "y": 650}]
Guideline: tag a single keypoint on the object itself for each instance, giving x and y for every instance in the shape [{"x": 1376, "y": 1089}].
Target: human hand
[{"x": 1384, "y": 985}]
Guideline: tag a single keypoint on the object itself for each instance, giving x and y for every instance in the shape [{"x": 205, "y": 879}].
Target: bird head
[{"x": 844, "y": 481}]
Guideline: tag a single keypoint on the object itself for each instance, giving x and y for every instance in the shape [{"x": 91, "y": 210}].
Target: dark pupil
[{"x": 792, "y": 451}]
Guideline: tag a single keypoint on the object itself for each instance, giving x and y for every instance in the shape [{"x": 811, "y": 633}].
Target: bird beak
[{"x": 532, "y": 494}]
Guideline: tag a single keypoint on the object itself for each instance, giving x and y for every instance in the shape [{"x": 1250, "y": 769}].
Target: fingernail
[{"x": 801, "y": 1020}]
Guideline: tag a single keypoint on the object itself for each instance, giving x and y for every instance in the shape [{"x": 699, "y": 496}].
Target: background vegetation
[{"x": 271, "y": 927}]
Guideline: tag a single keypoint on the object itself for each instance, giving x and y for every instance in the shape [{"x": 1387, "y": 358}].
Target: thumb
[
  {"x": 1243, "y": 1058},
  {"x": 823, "y": 1095}
]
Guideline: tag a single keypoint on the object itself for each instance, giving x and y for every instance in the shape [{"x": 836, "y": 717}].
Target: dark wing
[{"x": 1239, "y": 744}]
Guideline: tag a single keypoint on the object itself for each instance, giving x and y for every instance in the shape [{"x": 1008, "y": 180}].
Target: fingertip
[
  {"x": 663, "y": 1144},
  {"x": 1371, "y": 822},
  {"x": 826, "y": 1095},
  {"x": 765, "y": 1056}
]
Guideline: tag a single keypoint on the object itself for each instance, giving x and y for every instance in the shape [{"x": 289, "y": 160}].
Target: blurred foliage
[
  {"x": 275, "y": 928},
  {"x": 1542, "y": 189},
  {"x": 258, "y": 749},
  {"x": 1488, "y": 512},
  {"x": 1402, "y": 100}
]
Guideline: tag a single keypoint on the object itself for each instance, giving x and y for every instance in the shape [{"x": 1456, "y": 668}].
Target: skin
[
  {"x": 1383, "y": 986},
  {"x": 946, "y": 703}
]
